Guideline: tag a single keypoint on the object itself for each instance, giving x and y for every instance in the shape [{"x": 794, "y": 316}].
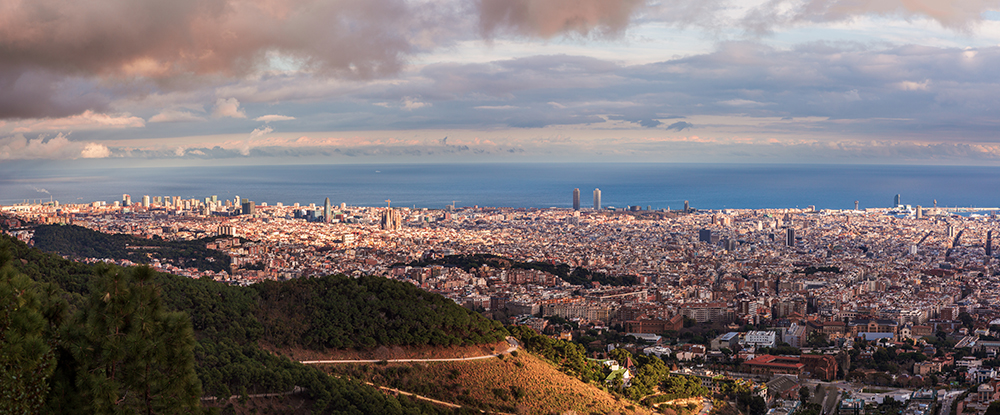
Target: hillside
[
  {"x": 575, "y": 276},
  {"x": 227, "y": 326},
  {"x": 338, "y": 312},
  {"x": 79, "y": 242},
  {"x": 521, "y": 384}
]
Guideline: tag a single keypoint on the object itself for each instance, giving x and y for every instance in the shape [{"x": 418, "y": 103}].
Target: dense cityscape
[{"x": 801, "y": 278}]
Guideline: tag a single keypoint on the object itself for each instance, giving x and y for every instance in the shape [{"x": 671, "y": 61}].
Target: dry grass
[
  {"x": 523, "y": 385},
  {"x": 394, "y": 352}
]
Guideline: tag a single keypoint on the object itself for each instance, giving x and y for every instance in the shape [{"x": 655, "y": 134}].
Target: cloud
[
  {"x": 742, "y": 103},
  {"x": 648, "y": 121},
  {"x": 228, "y": 107},
  {"x": 273, "y": 117},
  {"x": 88, "y": 120},
  {"x": 18, "y": 147},
  {"x": 960, "y": 15},
  {"x": 95, "y": 151},
  {"x": 257, "y": 132},
  {"x": 680, "y": 126},
  {"x": 49, "y": 46},
  {"x": 411, "y": 104},
  {"x": 554, "y": 17},
  {"x": 174, "y": 115}
]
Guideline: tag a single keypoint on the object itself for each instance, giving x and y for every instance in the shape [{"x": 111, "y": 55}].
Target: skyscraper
[
  {"x": 855, "y": 205},
  {"x": 897, "y": 201},
  {"x": 705, "y": 235},
  {"x": 576, "y": 199},
  {"x": 597, "y": 199},
  {"x": 327, "y": 211},
  {"x": 145, "y": 201},
  {"x": 686, "y": 206},
  {"x": 989, "y": 243},
  {"x": 920, "y": 212},
  {"x": 248, "y": 207},
  {"x": 790, "y": 237},
  {"x": 126, "y": 200}
]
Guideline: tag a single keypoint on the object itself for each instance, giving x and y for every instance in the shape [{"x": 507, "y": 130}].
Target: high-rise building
[
  {"x": 687, "y": 207},
  {"x": 920, "y": 212},
  {"x": 576, "y": 199},
  {"x": 327, "y": 211},
  {"x": 989, "y": 243},
  {"x": 248, "y": 207},
  {"x": 126, "y": 200},
  {"x": 145, "y": 201},
  {"x": 597, "y": 199},
  {"x": 236, "y": 201},
  {"x": 855, "y": 205},
  {"x": 705, "y": 235},
  {"x": 897, "y": 201},
  {"x": 790, "y": 237},
  {"x": 391, "y": 220}
]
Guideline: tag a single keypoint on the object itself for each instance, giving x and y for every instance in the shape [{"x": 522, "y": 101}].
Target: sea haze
[{"x": 706, "y": 186}]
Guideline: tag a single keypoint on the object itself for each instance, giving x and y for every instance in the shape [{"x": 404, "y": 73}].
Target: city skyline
[{"x": 454, "y": 81}]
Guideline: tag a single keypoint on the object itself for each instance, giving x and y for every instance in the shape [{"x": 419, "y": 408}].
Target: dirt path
[{"x": 510, "y": 340}]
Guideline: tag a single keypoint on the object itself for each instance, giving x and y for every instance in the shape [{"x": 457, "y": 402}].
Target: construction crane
[{"x": 453, "y": 204}]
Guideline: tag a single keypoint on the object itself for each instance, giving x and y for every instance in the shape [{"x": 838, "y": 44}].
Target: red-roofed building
[{"x": 774, "y": 365}]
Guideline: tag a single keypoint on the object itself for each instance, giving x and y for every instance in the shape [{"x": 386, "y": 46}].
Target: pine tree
[
  {"x": 27, "y": 340},
  {"x": 132, "y": 356}
]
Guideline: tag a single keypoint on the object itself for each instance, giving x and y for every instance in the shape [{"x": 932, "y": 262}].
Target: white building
[{"x": 760, "y": 339}]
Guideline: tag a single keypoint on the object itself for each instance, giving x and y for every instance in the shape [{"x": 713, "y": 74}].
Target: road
[{"x": 514, "y": 345}]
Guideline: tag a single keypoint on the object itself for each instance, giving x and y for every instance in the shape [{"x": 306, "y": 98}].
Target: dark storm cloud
[
  {"x": 170, "y": 42},
  {"x": 27, "y": 92}
]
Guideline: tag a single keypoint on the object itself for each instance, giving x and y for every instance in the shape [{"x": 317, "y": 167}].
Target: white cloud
[
  {"x": 18, "y": 147},
  {"x": 88, "y": 120},
  {"x": 274, "y": 117},
  {"x": 411, "y": 104},
  {"x": 228, "y": 108},
  {"x": 741, "y": 103},
  {"x": 173, "y": 115},
  {"x": 95, "y": 151},
  {"x": 257, "y": 132},
  {"x": 913, "y": 86}
]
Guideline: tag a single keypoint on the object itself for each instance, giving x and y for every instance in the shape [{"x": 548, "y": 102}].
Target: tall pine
[
  {"x": 29, "y": 318},
  {"x": 131, "y": 356}
]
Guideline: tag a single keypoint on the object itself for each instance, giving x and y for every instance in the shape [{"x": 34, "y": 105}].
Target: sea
[{"x": 530, "y": 185}]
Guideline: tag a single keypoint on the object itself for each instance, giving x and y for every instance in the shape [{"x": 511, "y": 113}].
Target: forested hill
[
  {"x": 575, "y": 276},
  {"x": 80, "y": 242},
  {"x": 73, "y": 304},
  {"x": 366, "y": 312}
]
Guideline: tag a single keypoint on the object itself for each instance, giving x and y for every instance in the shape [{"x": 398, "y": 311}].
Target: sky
[{"x": 222, "y": 82}]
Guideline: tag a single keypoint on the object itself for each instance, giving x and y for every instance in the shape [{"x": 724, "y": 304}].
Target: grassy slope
[{"x": 491, "y": 384}]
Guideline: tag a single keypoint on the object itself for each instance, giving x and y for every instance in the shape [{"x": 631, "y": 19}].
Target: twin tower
[{"x": 576, "y": 199}]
